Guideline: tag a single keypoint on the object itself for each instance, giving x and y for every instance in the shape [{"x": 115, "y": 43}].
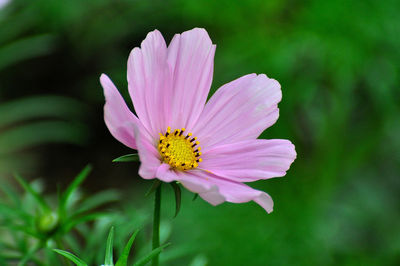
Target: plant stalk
[{"x": 156, "y": 223}]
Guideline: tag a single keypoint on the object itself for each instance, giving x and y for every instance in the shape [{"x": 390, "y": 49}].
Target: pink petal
[
  {"x": 233, "y": 191},
  {"x": 192, "y": 182},
  {"x": 206, "y": 190},
  {"x": 148, "y": 154},
  {"x": 165, "y": 173},
  {"x": 212, "y": 188},
  {"x": 149, "y": 82},
  {"x": 239, "y": 110},
  {"x": 250, "y": 160},
  {"x": 191, "y": 59},
  {"x": 117, "y": 116}
]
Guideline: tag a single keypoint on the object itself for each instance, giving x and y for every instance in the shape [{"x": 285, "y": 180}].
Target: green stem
[{"x": 156, "y": 223}]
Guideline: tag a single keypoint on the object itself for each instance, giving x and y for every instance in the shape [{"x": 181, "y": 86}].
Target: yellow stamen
[{"x": 179, "y": 151}]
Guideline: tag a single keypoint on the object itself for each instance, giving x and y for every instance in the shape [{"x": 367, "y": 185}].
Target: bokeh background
[{"x": 337, "y": 61}]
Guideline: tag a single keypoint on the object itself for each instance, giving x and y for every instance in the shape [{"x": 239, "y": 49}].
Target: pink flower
[{"x": 210, "y": 148}]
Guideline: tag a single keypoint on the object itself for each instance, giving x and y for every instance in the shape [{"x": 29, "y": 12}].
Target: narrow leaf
[
  {"x": 38, "y": 132},
  {"x": 22, "y": 109},
  {"x": 151, "y": 255},
  {"x": 6, "y": 211},
  {"x": 17, "y": 51},
  {"x": 26, "y": 230},
  {"x": 30, "y": 255},
  {"x": 71, "y": 257},
  {"x": 123, "y": 259},
  {"x": 195, "y": 196},
  {"x": 29, "y": 189},
  {"x": 10, "y": 193},
  {"x": 71, "y": 188},
  {"x": 153, "y": 187},
  {"x": 97, "y": 200},
  {"x": 108, "y": 261},
  {"x": 134, "y": 157},
  {"x": 178, "y": 197},
  {"x": 75, "y": 220}
]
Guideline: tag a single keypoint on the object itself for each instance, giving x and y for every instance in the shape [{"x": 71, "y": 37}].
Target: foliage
[
  {"x": 134, "y": 157},
  {"x": 123, "y": 260},
  {"x": 34, "y": 121},
  {"x": 34, "y": 223}
]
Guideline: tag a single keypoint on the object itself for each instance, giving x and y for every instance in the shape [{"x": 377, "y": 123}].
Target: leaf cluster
[
  {"x": 34, "y": 223},
  {"x": 123, "y": 259}
]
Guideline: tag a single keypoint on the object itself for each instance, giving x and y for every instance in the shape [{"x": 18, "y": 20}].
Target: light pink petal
[
  {"x": 206, "y": 190},
  {"x": 191, "y": 60},
  {"x": 148, "y": 154},
  {"x": 212, "y": 188},
  {"x": 165, "y": 173},
  {"x": 239, "y": 110},
  {"x": 149, "y": 82},
  {"x": 250, "y": 160},
  {"x": 240, "y": 193},
  {"x": 117, "y": 116},
  {"x": 192, "y": 182},
  {"x": 235, "y": 192}
]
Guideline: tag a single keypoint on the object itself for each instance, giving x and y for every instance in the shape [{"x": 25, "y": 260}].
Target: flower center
[{"x": 178, "y": 150}]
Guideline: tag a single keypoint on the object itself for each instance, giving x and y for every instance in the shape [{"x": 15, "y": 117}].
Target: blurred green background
[{"x": 337, "y": 61}]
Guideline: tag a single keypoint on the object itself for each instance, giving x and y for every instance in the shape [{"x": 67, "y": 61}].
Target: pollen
[{"x": 180, "y": 151}]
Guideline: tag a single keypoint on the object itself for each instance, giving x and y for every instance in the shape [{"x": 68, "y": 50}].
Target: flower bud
[{"x": 47, "y": 222}]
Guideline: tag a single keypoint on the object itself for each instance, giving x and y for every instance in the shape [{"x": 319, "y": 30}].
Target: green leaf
[
  {"x": 123, "y": 260},
  {"x": 10, "y": 193},
  {"x": 72, "y": 242},
  {"x": 7, "y": 211},
  {"x": 108, "y": 260},
  {"x": 96, "y": 200},
  {"x": 38, "y": 132},
  {"x": 29, "y": 189},
  {"x": 71, "y": 188},
  {"x": 75, "y": 220},
  {"x": 30, "y": 255},
  {"x": 178, "y": 197},
  {"x": 17, "y": 111},
  {"x": 71, "y": 257},
  {"x": 134, "y": 157},
  {"x": 151, "y": 255},
  {"x": 26, "y": 229},
  {"x": 153, "y": 187},
  {"x": 17, "y": 51}
]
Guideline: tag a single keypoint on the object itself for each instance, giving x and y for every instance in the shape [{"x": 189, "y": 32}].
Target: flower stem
[{"x": 156, "y": 223}]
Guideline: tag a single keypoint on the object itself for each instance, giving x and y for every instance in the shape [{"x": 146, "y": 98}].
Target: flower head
[{"x": 210, "y": 147}]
